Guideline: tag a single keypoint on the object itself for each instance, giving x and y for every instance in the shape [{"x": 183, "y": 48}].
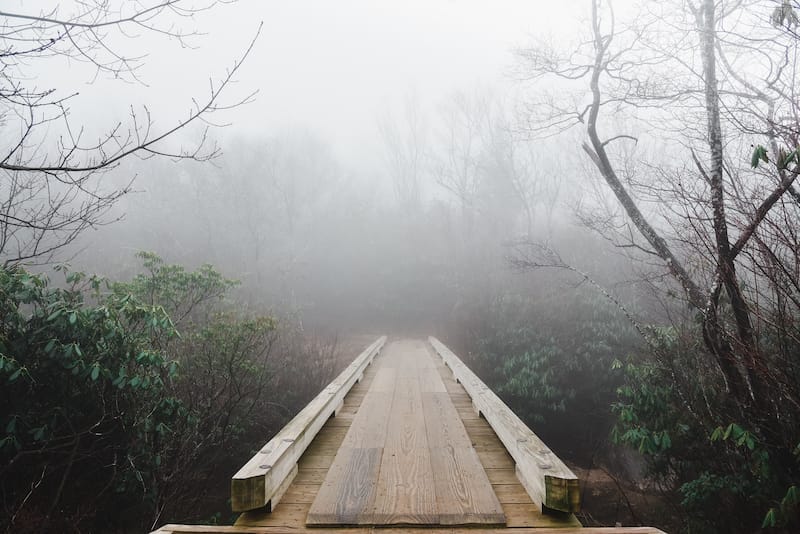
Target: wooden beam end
[
  {"x": 562, "y": 494},
  {"x": 248, "y": 493}
]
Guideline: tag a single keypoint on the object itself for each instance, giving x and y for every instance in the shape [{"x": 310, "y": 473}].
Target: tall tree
[{"x": 610, "y": 68}]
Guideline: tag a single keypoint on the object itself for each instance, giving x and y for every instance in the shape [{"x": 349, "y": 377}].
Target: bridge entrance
[{"x": 405, "y": 438}]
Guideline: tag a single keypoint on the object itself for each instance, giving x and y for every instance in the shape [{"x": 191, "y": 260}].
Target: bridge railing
[
  {"x": 543, "y": 475},
  {"x": 261, "y": 482}
]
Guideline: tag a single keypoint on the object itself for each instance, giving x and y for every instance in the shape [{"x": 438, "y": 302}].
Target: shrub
[{"x": 86, "y": 408}]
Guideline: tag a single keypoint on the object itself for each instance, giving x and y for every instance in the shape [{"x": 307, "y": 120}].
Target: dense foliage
[
  {"x": 118, "y": 396},
  {"x": 86, "y": 409},
  {"x": 550, "y": 357},
  {"x": 672, "y": 410}
]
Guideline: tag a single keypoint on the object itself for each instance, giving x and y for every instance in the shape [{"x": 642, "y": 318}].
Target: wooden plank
[
  {"x": 496, "y": 460},
  {"x": 496, "y": 476},
  {"x": 405, "y": 492},
  {"x": 545, "y": 477},
  {"x": 464, "y": 495},
  {"x": 316, "y": 461},
  {"x": 444, "y": 427},
  {"x": 312, "y": 476},
  {"x": 286, "y": 515},
  {"x": 302, "y": 493},
  {"x": 530, "y": 515},
  {"x": 431, "y": 382},
  {"x": 368, "y": 428},
  {"x": 348, "y": 493},
  {"x": 215, "y": 529},
  {"x": 260, "y": 478},
  {"x": 384, "y": 380},
  {"x": 349, "y": 488},
  {"x": 508, "y": 493}
]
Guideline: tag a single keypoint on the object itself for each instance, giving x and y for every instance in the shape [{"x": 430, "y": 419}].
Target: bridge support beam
[{"x": 544, "y": 476}]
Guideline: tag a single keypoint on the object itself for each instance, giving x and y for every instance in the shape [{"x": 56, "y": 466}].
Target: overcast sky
[{"x": 333, "y": 67}]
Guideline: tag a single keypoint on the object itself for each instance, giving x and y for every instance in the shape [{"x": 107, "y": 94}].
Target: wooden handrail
[
  {"x": 264, "y": 478},
  {"x": 543, "y": 475}
]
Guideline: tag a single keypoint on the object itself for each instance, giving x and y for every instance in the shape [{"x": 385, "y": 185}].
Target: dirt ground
[{"x": 608, "y": 501}]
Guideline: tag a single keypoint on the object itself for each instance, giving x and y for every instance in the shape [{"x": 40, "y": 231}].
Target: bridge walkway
[{"x": 403, "y": 490}]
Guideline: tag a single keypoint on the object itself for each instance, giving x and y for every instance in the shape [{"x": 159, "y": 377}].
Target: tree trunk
[{"x": 714, "y": 335}]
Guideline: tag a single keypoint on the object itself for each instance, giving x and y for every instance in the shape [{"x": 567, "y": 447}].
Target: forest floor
[{"x": 609, "y": 501}]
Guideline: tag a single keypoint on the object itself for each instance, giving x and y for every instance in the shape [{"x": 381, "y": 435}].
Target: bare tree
[
  {"x": 405, "y": 150},
  {"x": 51, "y": 189},
  {"x": 522, "y": 165},
  {"x": 720, "y": 209},
  {"x": 457, "y": 163}
]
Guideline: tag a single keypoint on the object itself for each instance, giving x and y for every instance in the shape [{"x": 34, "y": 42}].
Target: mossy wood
[
  {"x": 545, "y": 477},
  {"x": 260, "y": 481}
]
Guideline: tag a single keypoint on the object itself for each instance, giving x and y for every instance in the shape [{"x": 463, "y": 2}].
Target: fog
[
  {"x": 314, "y": 202},
  {"x": 593, "y": 202}
]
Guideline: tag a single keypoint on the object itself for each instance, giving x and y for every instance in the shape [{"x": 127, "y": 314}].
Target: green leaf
[
  {"x": 792, "y": 497},
  {"x": 95, "y": 371},
  {"x": 790, "y": 157},
  {"x": 759, "y": 154},
  {"x": 73, "y": 318},
  {"x": 727, "y": 433},
  {"x": 771, "y": 519}
]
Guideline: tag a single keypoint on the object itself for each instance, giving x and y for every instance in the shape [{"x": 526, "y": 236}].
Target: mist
[{"x": 594, "y": 204}]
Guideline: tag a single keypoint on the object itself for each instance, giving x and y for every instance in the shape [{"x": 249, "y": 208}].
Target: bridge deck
[
  {"x": 406, "y": 458},
  {"x": 320, "y": 468}
]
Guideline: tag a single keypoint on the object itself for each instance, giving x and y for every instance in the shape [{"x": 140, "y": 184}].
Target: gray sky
[
  {"x": 338, "y": 66},
  {"x": 333, "y": 67}
]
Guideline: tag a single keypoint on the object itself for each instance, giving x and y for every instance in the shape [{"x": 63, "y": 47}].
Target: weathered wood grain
[
  {"x": 546, "y": 478},
  {"x": 430, "y": 381},
  {"x": 464, "y": 494},
  {"x": 405, "y": 488},
  {"x": 349, "y": 488},
  {"x": 444, "y": 427},
  {"x": 429, "y": 473},
  {"x": 257, "y": 482},
  {"x": 347, "y": 495},
  {"x": 300, "y": 493},
  {"x": 368, "y": 428}
]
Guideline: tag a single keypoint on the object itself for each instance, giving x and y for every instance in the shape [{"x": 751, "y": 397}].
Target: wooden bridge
[{"x": 406, "y": 437}]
